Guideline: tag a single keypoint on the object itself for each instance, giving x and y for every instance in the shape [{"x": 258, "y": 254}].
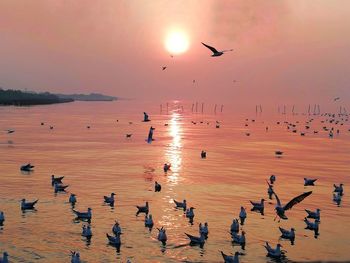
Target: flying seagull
[
  {"x": 164, "y": 68},
  {"x": 280, "y": 210},
  {"x": 337, "y": 98},
  {"x": 215, "y": 52}
]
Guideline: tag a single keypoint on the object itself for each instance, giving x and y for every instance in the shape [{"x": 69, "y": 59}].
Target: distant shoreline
[{"x": 23, "y": 98}]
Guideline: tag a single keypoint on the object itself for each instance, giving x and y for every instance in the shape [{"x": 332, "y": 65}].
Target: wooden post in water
[
  {"x": 192, "y": 107},
  {"x": 222, "y": 107},
  {"x": 196, "y": 106},
  {"x": 260, "y": 108},
  {"x": 202, "y": 107},
  {"x": 215, "y": 109},
  {"x": 309, "y": 110}
]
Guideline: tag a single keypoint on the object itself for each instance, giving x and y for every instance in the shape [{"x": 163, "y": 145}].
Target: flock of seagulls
[{"x": 312, "y": 218}]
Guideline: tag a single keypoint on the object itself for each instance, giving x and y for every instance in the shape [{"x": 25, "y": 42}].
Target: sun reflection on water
[{"x": 173, "y": 152}]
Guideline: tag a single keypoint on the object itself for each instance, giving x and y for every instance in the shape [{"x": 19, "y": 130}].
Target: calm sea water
[{"x": 100, "y": 160}]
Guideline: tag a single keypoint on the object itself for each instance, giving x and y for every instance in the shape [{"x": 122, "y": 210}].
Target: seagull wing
[
  {"x": 296, "y": 200},
  {"x": 211, "y": 48},
  {"x": 227, "y": 50},
  {"x": 278, "y": 200}
]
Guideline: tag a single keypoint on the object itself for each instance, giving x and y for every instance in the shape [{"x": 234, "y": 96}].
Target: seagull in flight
[
  {"x": 280, "y": 209},
  {"x": 215, "y": 52},
  {"x": 337, "y": 98},
  {"x": 164, "y": 68}
]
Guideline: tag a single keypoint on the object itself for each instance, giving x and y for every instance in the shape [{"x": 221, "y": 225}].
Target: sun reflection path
[{"x": 173, "y": 152}]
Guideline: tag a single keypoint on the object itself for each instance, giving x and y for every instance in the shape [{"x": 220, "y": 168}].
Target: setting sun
[{"x": 176, "y": 42}]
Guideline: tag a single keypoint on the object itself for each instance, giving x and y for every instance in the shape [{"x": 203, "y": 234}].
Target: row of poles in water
[
  {"x": 194, "y": 108},
  {"x": 315, "y": 110}
]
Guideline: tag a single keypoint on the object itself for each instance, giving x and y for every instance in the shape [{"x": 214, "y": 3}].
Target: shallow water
[{"x": 100, "y": 160}]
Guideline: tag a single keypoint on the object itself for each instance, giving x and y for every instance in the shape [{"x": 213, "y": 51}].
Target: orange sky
[{"x": 284, "y": 50}]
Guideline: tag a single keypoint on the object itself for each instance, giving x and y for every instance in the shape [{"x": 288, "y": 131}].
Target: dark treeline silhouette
[{"x": 21, "y": 98}]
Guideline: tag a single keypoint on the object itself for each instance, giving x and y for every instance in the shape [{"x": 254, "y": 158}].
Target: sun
[{"x": 176, "y": 42}]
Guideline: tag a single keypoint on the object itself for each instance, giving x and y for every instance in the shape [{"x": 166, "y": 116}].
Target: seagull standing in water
[
  {"x": 312, "y": 225},
  {"x": 149, "y": 221},
  {"x": 72, "y": 199},
  {"x": 157, "y": 187},
  {"x": 258, "y": 206},
  {"x": 190, "y": 213},
  {"x": 242, "y": 215},
  {"x": 314, "y": 214},
  {"x": 116, "y": 228},
  {"x": 239, "y": 239},
  {"x": 270, "y": 190},
  {"x": 216, "y": 53},
  {"x": 162, "y": 237},
  {"x": 196, "y": 240},
  {"x": 114, "y": 240},
  {"x": 286, "y": 234},
  {"x": 280, "y": 210},
  {"x": 83, "y": 215},
  {"x": 2, "y": 218},
  {"x": 87, "y": 231},
  {"x": 234, "y": 226},
  {"x": 274, "y": 253},
  {"x": 109, "y": 199},
  {"x": 338, "y": 189},
  {"x": 142, "y": 209},
  {"x": 337, "y": 198},
  {"x": 182, "y": 204},
  {"x": 231, "y": 259},
  {"x": 146, "y": 117},
  {"x": 75, "y": 257},
  {"x": 28, "y": 205},
  {"x": 203, "y": 230}
]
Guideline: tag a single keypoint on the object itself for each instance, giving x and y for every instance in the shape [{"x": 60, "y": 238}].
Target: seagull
[
  {"x": 337, "y": 198},
  {"x": 196, "y": 240},
  {"x": 149, "y": 221},
  {"x": 309, "y": 182},
  {"x": 234, "y": 226},
  {"x": 72, "y": 199},
  {"x": 166, "y": 167},
  {"x": 203, "y": 230},
  {"x": 164, "y": 68},
  {"x": 272, "y": 179},
  {"x": 239, "y": 239},
  {"x": 2, "y": 218},
  {"x": 337, "y": 98},
  {"x": 75, "y": 257},
  {"x": 312, "y": 225},
  {"x": 109, "y": 199},
  {"x": 60, "y": 187},
  {"x": 215, "y": 52},
  {"x": 231, "y": 259},
  {"x": 338, "y": 189},
  {"x": 56, "y": 179},
  {"x": 27, "y": 167},
  {"x": 114, "y": 240},
  {"x": 275, "y": 253},
  {"x": 280, "y": 210},
  {"x": 286, "y": 234},
  {"x": 83, "y": 215},
  {"x": 279, "y": 153},
  {"x": 314, "y": 214},
  {"x": 142, "y": 209},
  {"x": 258, "y": 205},
  {"x": 116, "y": 228},
  {"x": 157, "y": 187},
  {"x": 28, "y": 205},
  {"x": 203, "y": 154},
  {"x": 182, "y": 204},
  {"x": 4, "y": 258},
  {"x": 242, "y": 215},
  {"x": 128, "y": 135},
  {"x": 145, "y": 117},
  {"x": 150, "y": 135},
  {"x": 270, "y": 190},
  {"x": 87, "y": 231},
  {"x": 10, "y": 131},
  {"x": 190, "y": 213},
  {"x": 162, "y": 235}
]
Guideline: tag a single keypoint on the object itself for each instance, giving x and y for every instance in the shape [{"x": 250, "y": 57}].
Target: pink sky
[{"x": 289, "y": 51}]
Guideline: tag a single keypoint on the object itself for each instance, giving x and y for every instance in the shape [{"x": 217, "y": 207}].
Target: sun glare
[{"x": 176, "y": 42}]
